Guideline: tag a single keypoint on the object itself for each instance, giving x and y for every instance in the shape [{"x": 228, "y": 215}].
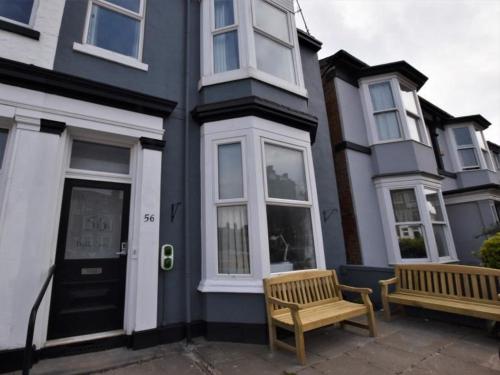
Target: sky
[{"x": 456, "y": 43}]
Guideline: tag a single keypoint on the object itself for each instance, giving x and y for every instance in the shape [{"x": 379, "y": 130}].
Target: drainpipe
[{"x": 187, "y": 261}]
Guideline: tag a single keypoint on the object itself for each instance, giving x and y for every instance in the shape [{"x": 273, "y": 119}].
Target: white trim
[
  {"x": 246, "y": 46},
  {"x": 254, "y": 131},
  {"x": 383, "y": 188},
  {"x": 83, "y": 338},
  {"x": 102, "y": 53},
  {"x": 474, "y": 196}
]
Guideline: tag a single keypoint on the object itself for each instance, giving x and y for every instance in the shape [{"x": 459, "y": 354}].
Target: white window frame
[
  {"x": 253, "y": 133},
  {"x": 395, "y": 81},
  {"x": 244, "y": 24},
  {"x": 478, "y": 150},
  {"x": 31, "y": 22},
  {"x": 222, "y": 30},
  {"x": 384, "y": 186},
  {"x": 84, "y": 47}
]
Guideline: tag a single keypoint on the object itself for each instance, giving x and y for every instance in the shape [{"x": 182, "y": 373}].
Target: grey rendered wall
[
  {"x": 323, "y": 164},
  {"x": 400, "y": 157},
  {"x": 351, "y": 112},
  {"x": 370, "y": 231},
  {"x": 477, "y": 177},
  {"x": 467, "y": 222}
]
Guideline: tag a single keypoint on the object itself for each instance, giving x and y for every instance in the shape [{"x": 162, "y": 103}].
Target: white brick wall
[{"x": 48, "y": 16}]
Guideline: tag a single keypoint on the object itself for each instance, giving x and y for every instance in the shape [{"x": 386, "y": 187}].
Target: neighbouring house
[
  {"x": 129, "y": 125},
  {"x": 416, "y": 184}
]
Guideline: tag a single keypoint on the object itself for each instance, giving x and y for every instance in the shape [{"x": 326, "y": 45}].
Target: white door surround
[{"x": 34, "y": 169}]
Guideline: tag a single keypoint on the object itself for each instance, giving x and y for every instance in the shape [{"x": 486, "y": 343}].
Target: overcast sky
[{"x": 456, "y": 43}]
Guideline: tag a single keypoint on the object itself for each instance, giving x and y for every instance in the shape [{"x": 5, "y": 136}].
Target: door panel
[{"x": 89, "y": 284}]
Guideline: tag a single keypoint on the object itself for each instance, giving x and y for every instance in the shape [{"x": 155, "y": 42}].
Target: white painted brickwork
[{"x": 47, "y": 20}]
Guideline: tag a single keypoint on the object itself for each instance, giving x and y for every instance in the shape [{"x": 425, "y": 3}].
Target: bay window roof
[{"x": 476, "y": 119}]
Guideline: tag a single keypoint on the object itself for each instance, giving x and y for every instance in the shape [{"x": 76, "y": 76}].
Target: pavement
[{"x": 407, "y": 345}]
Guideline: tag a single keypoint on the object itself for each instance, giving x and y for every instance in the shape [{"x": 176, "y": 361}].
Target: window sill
[
  {"x": 19, "y": 29},
  {"x": 109, "y": 55},
  {"x": 231, "y": 285},
  {"x": 242, "y": 73}
]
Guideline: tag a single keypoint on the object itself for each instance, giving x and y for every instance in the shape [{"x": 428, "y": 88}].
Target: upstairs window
[
  {"x": 392, "y": 111},
  {"x": 385, "y": 111},
  {"x": 251, "y": 39},
  {"x": 17, "y": 10},
  {"x": 484, "y": 150},
  {"x": 466, "y": 148},
  {"x": 273, "y": 45},
  {"x": 117, "y": 26},
  {"x": 225, "y": 37}
]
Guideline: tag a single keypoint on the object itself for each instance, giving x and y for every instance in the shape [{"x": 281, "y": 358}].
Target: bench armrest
[
  {"x": 347, "y": 288},
  {"x": 279, "y": 302},
  {"x": 394, "y": 280}
]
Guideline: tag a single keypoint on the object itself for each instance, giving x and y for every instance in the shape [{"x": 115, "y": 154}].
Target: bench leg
[
  {"x": 372, "y": 327},
  {"x": 387, "y": 309},
  {"x": 300, "y": 346},
  {"x": 272, "y": 336}
]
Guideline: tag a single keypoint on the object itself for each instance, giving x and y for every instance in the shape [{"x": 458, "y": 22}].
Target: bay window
[
  {"x": 19, "y": 11},
  {"x": 471, "y": 149},
  {"x": 251, "y": 39},
  {"x": 392, "y": 110},
  {"x": 416, "y": 226},
  {"x": 260, "y": 210}
]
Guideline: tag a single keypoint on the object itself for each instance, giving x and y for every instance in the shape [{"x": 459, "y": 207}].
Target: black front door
[{"x": 89, "y": 283}]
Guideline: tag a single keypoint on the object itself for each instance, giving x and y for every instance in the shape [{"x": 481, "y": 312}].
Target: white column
[
  {"x": 145, "y": 250},
  {"x": 28, "y": 227}
]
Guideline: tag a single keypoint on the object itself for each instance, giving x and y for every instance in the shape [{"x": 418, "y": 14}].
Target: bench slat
[{"x": 493, "y": 287}]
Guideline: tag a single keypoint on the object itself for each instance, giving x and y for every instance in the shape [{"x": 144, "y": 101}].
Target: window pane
[
  {"x": 230, "y": 171},
  {"x": 381, "y": 94},
  {"x": 413, "y": 127},
  {"x": 114, "y": 31},
  {"x": 409, "y": 101},
  {"x": 286, "y": 175},
  {"x": 486, "y": 156},
  {"x": 94, "y": 224},
  {"x": 274, "y": 58},
  {"x": 271, "y": 20},
  {"x": 133, "y": 5},
  {"x": 291, "y": 243},
  {"x": 17, "y": 10},
  {"x": 441, "y": 243},
  {"x": 411, "y": 241},
  {"x": 388, "y": 126},
  {"x": 98, "y": 157},
  {"x": 462, "y": 136},
  {"x": 468, "y": 158},
  {"x": 497, "y": 160},
  {"x": 3, "y": 143},
  {"x": 480, "y": 139},
  {"x": 226, "y": 55},
  {"x": 232, "y": 240},
  {"x": 223, "y": 13},
  {"x": 433, "y": 205},
  {"x": 405, "y": 205}
]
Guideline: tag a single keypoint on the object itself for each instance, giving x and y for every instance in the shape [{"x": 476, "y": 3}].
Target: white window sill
[
  {"x": 109, "y": 55},
  {"x": 242, "y": 73},
  {"x": 231, "y": 285}
]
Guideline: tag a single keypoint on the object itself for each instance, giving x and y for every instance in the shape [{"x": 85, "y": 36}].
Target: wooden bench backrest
[
  {"x": 450, "y": 281},
  {"x": 306, "y": 287}
]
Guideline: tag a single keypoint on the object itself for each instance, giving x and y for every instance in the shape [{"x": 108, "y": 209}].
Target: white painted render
[
  {"x": 46, "y": 18},
  {"x": 31, "y": 188}
]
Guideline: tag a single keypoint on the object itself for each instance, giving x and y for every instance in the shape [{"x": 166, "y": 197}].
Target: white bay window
[
  {"x": 260, "y": 211},
  {"x": 470, "y": 148},
  {"x": 416, "y": 226},
  {"x": 392, "y": 110},
  {"x": 251, "y": 39}
]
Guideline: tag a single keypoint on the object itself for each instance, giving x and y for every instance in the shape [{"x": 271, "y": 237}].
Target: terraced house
[
  {"x": 416, "y": 183},
  {"x": 128, "y": 125}
]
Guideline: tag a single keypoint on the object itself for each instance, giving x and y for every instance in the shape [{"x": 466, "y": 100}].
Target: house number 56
[{"x": 149, "y": 218}]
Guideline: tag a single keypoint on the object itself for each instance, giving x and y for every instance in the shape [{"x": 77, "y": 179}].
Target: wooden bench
[
  {"x": 306, "y": 300},
  {"x": 464, "y": 290}
]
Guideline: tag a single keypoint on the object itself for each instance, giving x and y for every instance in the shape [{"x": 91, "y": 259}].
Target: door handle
[{"x": 123, "y": 249}]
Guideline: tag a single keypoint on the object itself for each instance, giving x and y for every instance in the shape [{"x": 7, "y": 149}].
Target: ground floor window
[
  {"x": 415, "y": 221},
  {"x": 261, "y": 213}
]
